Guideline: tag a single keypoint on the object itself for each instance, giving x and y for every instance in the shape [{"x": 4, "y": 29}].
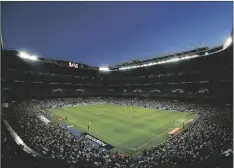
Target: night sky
[{"x": 107, "y": 33}]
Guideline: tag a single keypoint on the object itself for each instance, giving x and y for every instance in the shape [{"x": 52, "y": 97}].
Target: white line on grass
[
  {"x": 107, "y": 137},
  {"x": 120, "y": 143},
  {"x": 131, "y": 126},
  {"x": 140, "y": 130},
  {"x": 77, "y": 124},
  {"x": 154, "y": 137},
  {"x": 150, "y": 140},
  {"x": 133, "y": 149}
]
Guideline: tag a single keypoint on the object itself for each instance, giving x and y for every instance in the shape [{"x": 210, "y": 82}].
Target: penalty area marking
[
  {"x": 154, "y": 137},
  {"x": 107, "y": 137},
  {"x": 77, "y": 124},
  {"x": 120, "y": 143},
  {"x": 149, "y": 141},
  {"x": 133, "y": 149}
]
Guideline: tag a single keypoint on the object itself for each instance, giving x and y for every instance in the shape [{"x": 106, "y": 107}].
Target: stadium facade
[{"x": 202, "y": 74}]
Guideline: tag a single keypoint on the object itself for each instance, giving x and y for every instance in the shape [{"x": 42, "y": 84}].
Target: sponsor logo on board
[{"x": 98, "y": 141}]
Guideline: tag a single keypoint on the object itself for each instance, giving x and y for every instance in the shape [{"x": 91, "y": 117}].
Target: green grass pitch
[{"x": 128, "y": 129}]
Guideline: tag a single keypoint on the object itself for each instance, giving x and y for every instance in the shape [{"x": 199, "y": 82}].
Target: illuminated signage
[{"x": 73, "y": 65}]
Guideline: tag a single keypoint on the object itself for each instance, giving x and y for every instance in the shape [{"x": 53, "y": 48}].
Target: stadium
[
  {"x": 173, "y": 110},
  {"x": 128, "y": 113}
]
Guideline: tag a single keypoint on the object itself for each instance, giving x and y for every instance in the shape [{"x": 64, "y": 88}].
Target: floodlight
[
  {"x": 104, "y": 69},
  {"x": 23, "y": 55},
  {"x": 34, "y": 58},
  {"x": 186, "y": 57},
  {"x": 175, "y": 59},
  {"x": 193, "y": 56},
  {"x": 228, "y": 42}
]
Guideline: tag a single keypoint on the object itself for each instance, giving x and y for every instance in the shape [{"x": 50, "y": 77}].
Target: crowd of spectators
[{"x": 207, "y": 138}]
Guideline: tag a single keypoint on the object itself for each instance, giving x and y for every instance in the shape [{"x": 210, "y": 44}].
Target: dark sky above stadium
[{"x": 107, "y": 33}]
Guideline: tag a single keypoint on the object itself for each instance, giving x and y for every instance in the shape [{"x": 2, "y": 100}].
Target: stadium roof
[{"x": 188, "y": 52}]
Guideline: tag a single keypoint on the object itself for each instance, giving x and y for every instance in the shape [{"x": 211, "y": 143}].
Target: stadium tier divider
[{"x": 20, "y": 142}]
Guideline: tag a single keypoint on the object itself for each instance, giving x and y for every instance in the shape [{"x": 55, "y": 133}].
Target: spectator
[{"x": 208, "y": 136}]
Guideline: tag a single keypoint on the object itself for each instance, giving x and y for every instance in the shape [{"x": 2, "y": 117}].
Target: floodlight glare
[
  {"x": 104, "y": 69},
  {"x": 160, "y": 62},
  {"x": 23, "y": 55},
  {"x": 176, "y": 59},
  {"x": 186, "y": 57},
  {"x": 228, "y": 42},
  {"x": 34, "y": 58}
]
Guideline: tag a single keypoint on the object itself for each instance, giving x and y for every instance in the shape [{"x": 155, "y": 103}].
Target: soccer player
[{"x": 89, "y": 125}]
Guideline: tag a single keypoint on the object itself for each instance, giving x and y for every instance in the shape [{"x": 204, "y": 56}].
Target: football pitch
[{"x": 128, "y": 129}]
